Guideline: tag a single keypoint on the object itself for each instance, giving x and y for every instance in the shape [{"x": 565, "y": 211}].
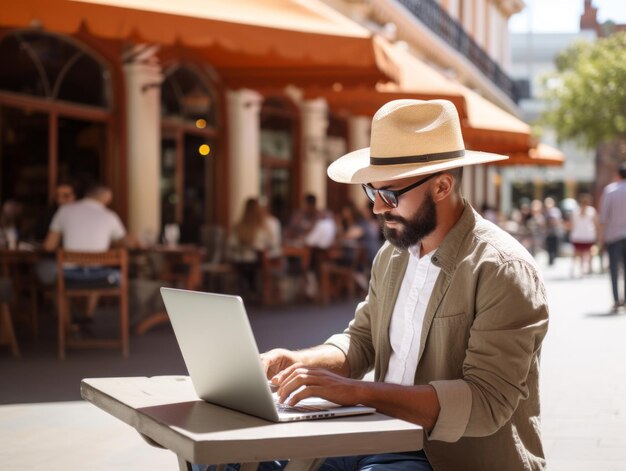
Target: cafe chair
[
  {"x": 219, "y": 275},
  {"x": 7, "y": 332},
  {"x": 338, "y": 277},
  {"x": 18, "y": 266},
  {"x": 67, "y": 290},
  {"x": 272, "y": 272}
]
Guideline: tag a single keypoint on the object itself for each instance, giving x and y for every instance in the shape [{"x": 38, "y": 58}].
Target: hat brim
[{"x": 355, "y": 167}]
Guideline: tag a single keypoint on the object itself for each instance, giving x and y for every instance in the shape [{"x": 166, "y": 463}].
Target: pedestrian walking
[
  {"x": 554, "y": 228},
  {"x": 583, "y": 227},
  {"x": 613, "y": 230}
]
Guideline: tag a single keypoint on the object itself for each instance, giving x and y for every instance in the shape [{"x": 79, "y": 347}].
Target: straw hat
[{"x": 409, "y": 138}]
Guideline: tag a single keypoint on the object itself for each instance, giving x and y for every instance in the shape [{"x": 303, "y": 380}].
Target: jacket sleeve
[{"x": 510, "y": 323}]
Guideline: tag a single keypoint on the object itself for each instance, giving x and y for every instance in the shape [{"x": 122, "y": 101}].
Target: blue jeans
[
  {"x": 409, "y": 461},
  {"x": 617, "y": 257},
  {"x": 105, "y": 275},
  {"x": 46, "y": 271}
]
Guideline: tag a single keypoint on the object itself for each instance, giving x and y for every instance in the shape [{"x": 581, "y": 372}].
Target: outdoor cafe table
[
  {"x": 167, "y": 413},
  {"x": 187, "y": 256}
]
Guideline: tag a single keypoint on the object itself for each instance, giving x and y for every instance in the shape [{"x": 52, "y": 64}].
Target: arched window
[
  {"x": 55, "y": 118},
  {"x": 54, "y": 68},
  {"x": 279, "y": 152},
  {"x": 188, "y": 163}
]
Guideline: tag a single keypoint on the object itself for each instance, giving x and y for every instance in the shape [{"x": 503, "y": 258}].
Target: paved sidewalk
[
  {"x": 583, "y": 390},
  {"x": 583, "y": 374}
]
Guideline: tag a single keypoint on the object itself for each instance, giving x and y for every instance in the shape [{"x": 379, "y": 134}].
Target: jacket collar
[{"x": 446, "y": 254}]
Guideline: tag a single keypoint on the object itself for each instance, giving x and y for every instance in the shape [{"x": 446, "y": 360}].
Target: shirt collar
[{"x": 414, "y": 250}]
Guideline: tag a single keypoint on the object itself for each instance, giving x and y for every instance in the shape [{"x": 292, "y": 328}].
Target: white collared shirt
[{"x": 408, "y": 315}]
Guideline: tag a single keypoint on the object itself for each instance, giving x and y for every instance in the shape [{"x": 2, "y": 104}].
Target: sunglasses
[{"x": 390, "y": 197}]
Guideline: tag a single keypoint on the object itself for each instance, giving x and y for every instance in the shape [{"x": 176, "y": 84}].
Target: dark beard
[{"x": 423, "y": 223}]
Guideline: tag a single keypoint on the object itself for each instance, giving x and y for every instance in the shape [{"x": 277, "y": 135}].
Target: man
[
  {"x": 303, "y": 219},
  {"x": 455, "y": 314},
  {"x": 613, "y": 230},
  {"x": 319, "y": 239},
  {"x": 554, "y": 228},
  {"x": 86, "y": 226}
]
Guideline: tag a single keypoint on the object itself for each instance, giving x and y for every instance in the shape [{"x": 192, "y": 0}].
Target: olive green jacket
[{"x": 480, "y": 345}]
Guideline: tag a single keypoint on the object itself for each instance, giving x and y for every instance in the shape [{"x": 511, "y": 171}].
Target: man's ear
[{"x": 443, "y": 187}]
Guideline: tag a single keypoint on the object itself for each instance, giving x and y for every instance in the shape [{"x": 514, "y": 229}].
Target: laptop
[{"x": 221, "y": 355}]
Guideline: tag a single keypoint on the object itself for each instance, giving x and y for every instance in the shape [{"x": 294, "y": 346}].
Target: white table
[{"x": 166, "y": 412}]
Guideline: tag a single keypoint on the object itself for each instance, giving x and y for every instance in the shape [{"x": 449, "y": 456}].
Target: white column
[
  {"x": 453, "y": 9},
  {"x": 468, "y": 17},
  {"x": 479, "y": 185},
  {"x": 468, "y": 183},
  {"x": 506, "y": 191},
  {"x": 492, "y": 187},
  {"x": 358, "y": 137},
  {"x": 480, "y": 21},
  {"x": 143, "y": 99},
  {"x": 314, "y": 126},
  {"x": 244, "y": 145}
]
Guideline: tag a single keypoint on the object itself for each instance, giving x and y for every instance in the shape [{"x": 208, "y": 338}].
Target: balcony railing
[{"x": 437, "y": 20}]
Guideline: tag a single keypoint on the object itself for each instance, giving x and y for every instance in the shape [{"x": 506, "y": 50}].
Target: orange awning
[
  {"x": 486, "y": 127},
  {"x": 290, "y": 36},
  {"x": 414, "y": 80},
  {"x": 491, "y": 129},
  {"x": 542, "y": 154}
]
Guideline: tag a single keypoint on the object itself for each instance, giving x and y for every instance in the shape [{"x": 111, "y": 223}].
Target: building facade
[{"x": 185, "y": 114}]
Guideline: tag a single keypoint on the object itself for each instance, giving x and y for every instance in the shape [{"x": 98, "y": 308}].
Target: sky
[{"x": 562, "y": 16}]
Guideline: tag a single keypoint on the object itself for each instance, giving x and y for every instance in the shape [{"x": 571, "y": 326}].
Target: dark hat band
[{"x": 416, "y": 159}]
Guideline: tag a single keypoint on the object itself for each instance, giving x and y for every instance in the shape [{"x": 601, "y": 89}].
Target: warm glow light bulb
[
  {"x": 204, "y": 149},
  {"x": 201, "y": 123}
]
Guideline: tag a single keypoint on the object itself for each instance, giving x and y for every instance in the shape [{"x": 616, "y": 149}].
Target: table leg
[{"x": 151, "y": 321}]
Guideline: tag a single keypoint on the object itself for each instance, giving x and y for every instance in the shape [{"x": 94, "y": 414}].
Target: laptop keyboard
[{"x": 302, "y": 408}]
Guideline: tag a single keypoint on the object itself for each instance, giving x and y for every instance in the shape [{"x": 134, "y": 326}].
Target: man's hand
[
  {"x": 300, "y": 382},
  {"x": 276, "y": 361}
]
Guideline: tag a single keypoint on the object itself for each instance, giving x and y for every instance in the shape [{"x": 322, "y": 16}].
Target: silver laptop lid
[{"x": 219, "y": 350}]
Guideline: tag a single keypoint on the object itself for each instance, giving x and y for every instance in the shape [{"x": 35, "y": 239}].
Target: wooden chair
[
  {"x": 336, "y": 277},
  {"x": 66, "y": 290},
  {"x": 7, "y": 332},
  {"x": 18, "y": 266},
  {"x": 272, "y": 269},
  {"x": 219, "y": 275}
]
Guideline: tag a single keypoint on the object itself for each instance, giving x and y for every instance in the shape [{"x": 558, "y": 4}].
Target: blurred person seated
[
  {"x": 320, "y": 238},
  {"x": 255, "y": 232},
  {"x": 86, "y": 225},
  {"x": 303, "y": 219},
  {"x": 357, "y": 231},
  {"x": 10, "y": 224},
  {"x": 63, "y": 194},
  {"x": 323, "y": 233}
]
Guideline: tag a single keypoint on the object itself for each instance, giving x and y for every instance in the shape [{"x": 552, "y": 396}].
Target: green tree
[{"x": 587, "y": 95}]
